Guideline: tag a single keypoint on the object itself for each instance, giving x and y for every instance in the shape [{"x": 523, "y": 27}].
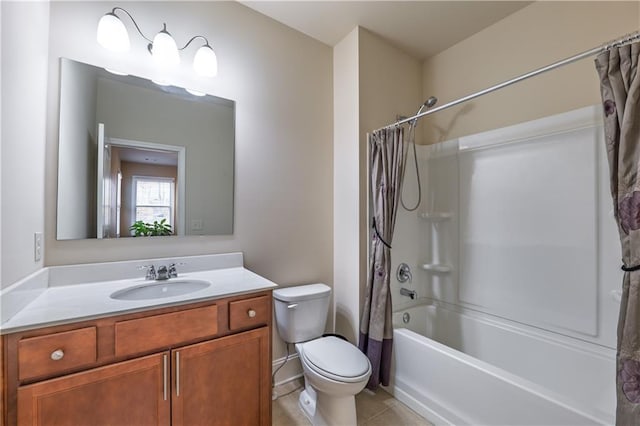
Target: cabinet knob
[
  {"x": 57, "y": 355},
  {"x": 251, "y": 313}
]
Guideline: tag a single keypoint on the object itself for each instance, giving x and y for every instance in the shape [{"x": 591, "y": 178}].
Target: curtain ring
[{"x": 630, "y": 268}]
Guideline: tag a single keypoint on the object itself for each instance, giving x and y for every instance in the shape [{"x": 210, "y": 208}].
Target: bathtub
[{"x": 464, "y": 368}]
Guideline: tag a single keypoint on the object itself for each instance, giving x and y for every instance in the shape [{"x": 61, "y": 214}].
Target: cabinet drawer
[
  {"x": 53, "y": 353},
  {"x": 166, "y": 330},
  {"x": 249, "y": 312}
]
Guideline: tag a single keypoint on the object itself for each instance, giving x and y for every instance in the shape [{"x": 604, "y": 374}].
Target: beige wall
[
  {"x": 281, "y": 82},
  {"x": 535, "y": 36},
  {"x": 346, "y": 172},
  {"x": 390, "y": 85},
  {"x": 24, "y": 88},
  {"x": 373, "y": 81}
]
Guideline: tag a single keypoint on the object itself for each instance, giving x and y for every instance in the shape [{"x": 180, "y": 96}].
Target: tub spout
[{"x": 406, "y": 292}]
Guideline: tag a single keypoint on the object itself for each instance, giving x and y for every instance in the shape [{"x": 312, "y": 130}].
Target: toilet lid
[
  {"x": 336, "y": 358},
  {"x": 301, "y": 292}
]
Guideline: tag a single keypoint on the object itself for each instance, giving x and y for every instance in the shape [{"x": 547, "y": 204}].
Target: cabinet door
[
  {"x": 226, "y": 381},
  {"x": 127, "y": 393}
]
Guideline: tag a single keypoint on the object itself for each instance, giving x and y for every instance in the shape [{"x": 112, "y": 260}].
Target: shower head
[
  {"x": 430, "y": 102},
  {"x": 427, "y": 104}
]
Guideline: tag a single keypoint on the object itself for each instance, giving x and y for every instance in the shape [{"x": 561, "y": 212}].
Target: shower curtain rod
[{"x": 629, "y": 38}]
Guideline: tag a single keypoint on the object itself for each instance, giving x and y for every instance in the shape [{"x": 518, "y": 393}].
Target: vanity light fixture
[{"x": 113, "y": 35}]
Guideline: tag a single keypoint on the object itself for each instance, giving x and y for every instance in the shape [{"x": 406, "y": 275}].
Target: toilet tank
[{"x": 301, "y": 311}]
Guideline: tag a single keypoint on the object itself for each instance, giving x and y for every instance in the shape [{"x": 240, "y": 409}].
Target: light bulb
[
  {"x": 205, "y": 63},
  {"x": 116, "y": 72},
  {"x": 164, "y": 49},
  {"x": 112, "y": 34},
  {"x": 161, "y": 82},
  {"x": 195, "y": 92}
]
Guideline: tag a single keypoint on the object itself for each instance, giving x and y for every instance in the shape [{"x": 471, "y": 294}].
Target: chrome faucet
[
  {"x": 162, "y": 273},
  {"x": 406, "y": 292}
]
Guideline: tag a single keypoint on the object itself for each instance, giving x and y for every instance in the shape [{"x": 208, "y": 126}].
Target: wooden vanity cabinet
[
  {"x": 218, "y": 372},
  {"x": 223, "y": 381},
  {"x": 125, "y": 393}
]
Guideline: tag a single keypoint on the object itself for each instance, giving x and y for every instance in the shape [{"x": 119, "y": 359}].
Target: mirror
[{"x": 136, "y": 158}]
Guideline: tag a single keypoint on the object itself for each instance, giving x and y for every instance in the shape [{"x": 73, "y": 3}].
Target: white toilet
[{"x": 334, "y": 369}]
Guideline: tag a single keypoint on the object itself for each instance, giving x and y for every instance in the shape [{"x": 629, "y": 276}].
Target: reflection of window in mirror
[{"x": 154, "y": 199}]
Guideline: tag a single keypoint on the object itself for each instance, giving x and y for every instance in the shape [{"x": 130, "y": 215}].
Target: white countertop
[{"x": 63, "y": 304}]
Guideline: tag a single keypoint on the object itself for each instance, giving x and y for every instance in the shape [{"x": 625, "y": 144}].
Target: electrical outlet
[
  {"x": 37, "y": 246},
  {"x": 196, "y": 225}
]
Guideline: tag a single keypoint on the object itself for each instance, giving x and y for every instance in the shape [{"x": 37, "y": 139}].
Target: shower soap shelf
[
  {"x": 436, "y": 216},
  {"x": 435, "y": 267}
]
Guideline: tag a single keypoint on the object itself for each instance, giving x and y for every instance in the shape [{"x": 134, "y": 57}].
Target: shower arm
[{"x": 622, "y": 41}]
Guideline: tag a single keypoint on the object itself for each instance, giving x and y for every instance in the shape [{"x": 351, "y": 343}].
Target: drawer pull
[
  {"x": 177, "y": 373},
  {"x": 164, "y": 377},
  {"x": 251, "y": 313},
  {"x": 57, "y": 355}
]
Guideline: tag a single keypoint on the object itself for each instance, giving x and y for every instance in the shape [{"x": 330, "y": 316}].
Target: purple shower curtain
[
  {"x": 376, "y": 329},
  {"x": 620, "y": 89}
]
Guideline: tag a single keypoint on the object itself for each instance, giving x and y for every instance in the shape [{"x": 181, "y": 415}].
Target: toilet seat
[{"x": 335, "y": 359}]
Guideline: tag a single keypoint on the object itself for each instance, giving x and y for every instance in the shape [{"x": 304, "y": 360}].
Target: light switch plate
[{"x": 37, "y": 246}]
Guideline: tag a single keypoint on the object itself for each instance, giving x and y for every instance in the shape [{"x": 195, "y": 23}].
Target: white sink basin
[{"x": 160, "y": 289}]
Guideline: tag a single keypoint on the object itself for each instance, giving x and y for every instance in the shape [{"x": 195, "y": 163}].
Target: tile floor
[{"x": 374, "y": 409}]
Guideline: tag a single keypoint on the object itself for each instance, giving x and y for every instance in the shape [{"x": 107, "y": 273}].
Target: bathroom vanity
[{"x": 205, "y": 359}]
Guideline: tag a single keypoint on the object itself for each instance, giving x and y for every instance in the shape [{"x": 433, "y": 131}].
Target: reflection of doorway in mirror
[
  {"x": 118, "y": 202},
  {"x": 103, "y": 182},
  {"x": 133, "y": 161}
]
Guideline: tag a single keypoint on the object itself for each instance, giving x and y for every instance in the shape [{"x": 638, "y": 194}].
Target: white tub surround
[
  {"x": 515, "y": 250},
  {"x": 64, "y": 294}
]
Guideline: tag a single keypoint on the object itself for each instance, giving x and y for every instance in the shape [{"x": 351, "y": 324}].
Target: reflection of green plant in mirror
[{"x": 142, "y": 229}]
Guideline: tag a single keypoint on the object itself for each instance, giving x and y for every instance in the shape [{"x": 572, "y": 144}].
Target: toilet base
[
  {"x": 326, "y": 410},
  {"x": 307, "y": 402},
  {"x": 334, "y": 411}
]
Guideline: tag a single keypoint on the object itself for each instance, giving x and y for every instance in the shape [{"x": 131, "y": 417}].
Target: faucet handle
[
  {"x": 173, "y": 272},
  {"x": 151, "y": 271},
  {"x": 403, "y": 273}
]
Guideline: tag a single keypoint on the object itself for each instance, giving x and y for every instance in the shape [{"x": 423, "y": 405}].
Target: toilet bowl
[{"x": 334, "y": 369}]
